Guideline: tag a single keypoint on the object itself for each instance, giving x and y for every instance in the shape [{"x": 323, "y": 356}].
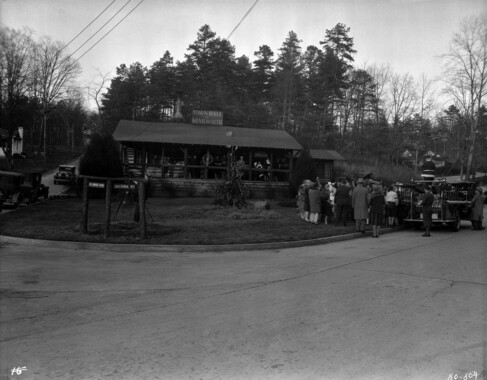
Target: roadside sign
[
  {"x": 125, "y": 186},
  {"x": 96, "y": 185}
]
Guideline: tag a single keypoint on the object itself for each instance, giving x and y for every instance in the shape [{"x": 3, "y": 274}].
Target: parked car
[
  {"x": 66, "y": 175},
  {"x": 10, "y": 189},
  {"x": 33, "y": 189},
  {"x": 451, "y": 202}
]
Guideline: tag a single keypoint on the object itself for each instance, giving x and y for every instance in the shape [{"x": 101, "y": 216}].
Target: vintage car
[
  {"x": 10, "y": 189},
  {"x": 451, "y": 202},
  {"x": 66, "y": 175},
  {"x": 33, "y": 189}
]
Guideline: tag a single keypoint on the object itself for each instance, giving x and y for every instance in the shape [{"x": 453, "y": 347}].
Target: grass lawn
[{"x": 174, "y": 221}]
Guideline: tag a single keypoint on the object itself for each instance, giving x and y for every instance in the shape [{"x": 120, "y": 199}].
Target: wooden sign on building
[{"x": 207, "y": 117}]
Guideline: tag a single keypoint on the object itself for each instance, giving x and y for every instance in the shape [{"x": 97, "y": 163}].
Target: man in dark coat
[
  {"x": 342, "y": 203},
  {"x": 427, "y": 204},
  {"x": 477, "y": 213}
]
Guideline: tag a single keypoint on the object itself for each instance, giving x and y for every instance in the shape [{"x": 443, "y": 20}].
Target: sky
[{"x": 408, "y": 35}]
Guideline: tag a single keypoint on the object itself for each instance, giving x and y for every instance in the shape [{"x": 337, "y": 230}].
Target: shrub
[
  {"x": 233, "y": 192},
  {"x": 305, "y": 168},
  {"x": 101, "y": 157},
  {"x": 381, "y": 171}
]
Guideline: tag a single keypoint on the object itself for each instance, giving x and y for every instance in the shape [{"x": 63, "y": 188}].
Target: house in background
[
  {"x": 18, "y": 141},
  {"x": 438, "y": 160},
  {"x": 14, "y": 146}
]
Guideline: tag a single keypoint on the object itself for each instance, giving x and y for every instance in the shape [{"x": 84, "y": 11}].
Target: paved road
[
  {"x": 48, "y": 179},
  {"x": 398, "y": 307}
]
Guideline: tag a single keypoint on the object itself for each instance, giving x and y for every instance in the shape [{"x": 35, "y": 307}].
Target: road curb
[{"x": 187, "y": 248}]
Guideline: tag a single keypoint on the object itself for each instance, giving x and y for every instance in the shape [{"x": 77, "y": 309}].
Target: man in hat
[
  {"x": 360, "y": 205},
  {"x": 342, "y": 203},
  {"x": 477, "y": 212},
  {"x": 427, "y": 204}
]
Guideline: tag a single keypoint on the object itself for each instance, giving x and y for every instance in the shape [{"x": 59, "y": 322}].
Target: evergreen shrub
[
  {"x": 101, "y": 157},
  {"x": 305, "y": 168}
]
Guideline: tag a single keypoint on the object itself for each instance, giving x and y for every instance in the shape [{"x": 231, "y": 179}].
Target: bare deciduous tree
[
  {"x": 381, "y": 75},
  {"x": 401, "y": 106},
  {"x": 466, "y": 76},
  {"x": 55, "y": 72},
  {"x": 403, "y": 98},
  {"x": 15, "y": 71},
  {"x": 72, "y": 114},
  {"x": 94, "y": 91},
  {"x": 426, "y": 97}
]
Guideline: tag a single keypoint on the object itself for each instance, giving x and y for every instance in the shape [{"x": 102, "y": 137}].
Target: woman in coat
[
  {"x": 326, "y": 207},
  {"x": 477, "y": 212},
  {"x": 314, "y": 204},
  {"x": 306, "y": 207},
  {"x": 300, "y": 200},
  {"x": 377, "y": 205}
]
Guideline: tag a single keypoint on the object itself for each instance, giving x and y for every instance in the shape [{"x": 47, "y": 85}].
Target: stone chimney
[
  {"x": 18, "y": 141},
  {"x": 177, "y": 113}
]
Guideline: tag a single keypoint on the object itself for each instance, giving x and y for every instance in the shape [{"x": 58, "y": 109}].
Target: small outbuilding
[{"x": 325, "y": 160}]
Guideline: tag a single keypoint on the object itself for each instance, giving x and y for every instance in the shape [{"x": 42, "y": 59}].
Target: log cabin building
[{"x": 191, "y": 159}]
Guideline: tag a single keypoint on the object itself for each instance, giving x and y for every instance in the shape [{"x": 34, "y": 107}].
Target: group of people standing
[
  {"x": 373, "y": 205},
  {"x": 376, "y": 205},
  {"x": 327, "y": 204},
  {"x": 314, "y": 202}
]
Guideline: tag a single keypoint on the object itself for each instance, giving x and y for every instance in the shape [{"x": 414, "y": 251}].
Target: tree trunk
[
  {"x": 44, "y": 138},
  {"x": 471, "y": 150}
]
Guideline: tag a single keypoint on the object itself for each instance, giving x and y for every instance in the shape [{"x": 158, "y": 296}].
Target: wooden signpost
[{"x": 110, "y": 184}]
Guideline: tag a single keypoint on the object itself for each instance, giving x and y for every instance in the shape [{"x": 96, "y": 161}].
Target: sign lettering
[
  {"x": 118, "y": 186},
  {"x": 96, "y": 185},
  {"x": 207, "y": 117}
]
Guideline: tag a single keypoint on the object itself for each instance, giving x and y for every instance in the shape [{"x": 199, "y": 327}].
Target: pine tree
[{"x": 288, "y": 86}]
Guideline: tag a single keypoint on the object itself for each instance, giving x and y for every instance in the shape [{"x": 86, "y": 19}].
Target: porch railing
[{"x": 204, "y": 172}]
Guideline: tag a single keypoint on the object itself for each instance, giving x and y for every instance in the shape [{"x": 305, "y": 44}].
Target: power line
[
  {"x": 96, "y": 18},
  {"x": 81, "y": 56},
  {"x": 243, "y": 18},
  {"x": 94, "y": 34}
]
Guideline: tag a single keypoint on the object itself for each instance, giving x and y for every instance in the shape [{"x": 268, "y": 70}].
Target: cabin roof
[
  {"x": 326, "y": 154},
  {"x": 183, "y": 133}
]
